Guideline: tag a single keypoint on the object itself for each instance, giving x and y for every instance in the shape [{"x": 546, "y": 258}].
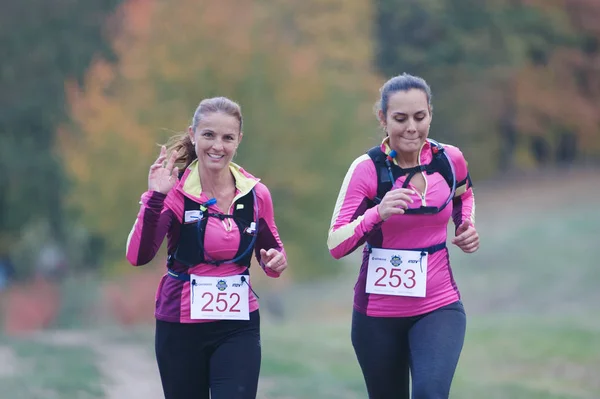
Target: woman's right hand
[
  {"x": 394, "y": 202},
  {"x": 162, "y": 178}
]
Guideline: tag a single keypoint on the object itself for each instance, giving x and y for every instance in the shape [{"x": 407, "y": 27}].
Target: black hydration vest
[
  {"x": 440, "y": 163},
  {"x": 190, "y": 248}
]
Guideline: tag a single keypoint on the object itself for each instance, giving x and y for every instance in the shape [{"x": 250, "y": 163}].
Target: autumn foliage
[
  {"x": 519, "y": 79},
  {"x": 300, "y": 70}
]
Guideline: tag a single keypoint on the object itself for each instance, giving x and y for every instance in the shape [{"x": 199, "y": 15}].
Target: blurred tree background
[
  {"x": 42, "y": 45},
  {"x": 90, "y": 88}
]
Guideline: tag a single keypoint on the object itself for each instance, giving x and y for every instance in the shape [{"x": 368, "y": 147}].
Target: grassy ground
[
  {"x": 34, "y": 370},
  {"x": 530, "y": 293}
]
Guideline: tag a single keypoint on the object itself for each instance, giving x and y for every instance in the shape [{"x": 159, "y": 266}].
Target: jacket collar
[{"x": 244, "y": 182}]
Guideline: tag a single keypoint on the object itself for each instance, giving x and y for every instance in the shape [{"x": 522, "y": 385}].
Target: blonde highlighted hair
[{"x": 182, "y": 143}]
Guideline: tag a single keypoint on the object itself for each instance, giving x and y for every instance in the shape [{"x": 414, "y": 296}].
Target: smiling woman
[{"x": 215, "y": 215}]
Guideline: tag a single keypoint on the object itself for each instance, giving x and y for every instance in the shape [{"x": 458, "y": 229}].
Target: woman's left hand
[
  {"x": 466, "y": 238},
  {"x": 273, "y": 259}
]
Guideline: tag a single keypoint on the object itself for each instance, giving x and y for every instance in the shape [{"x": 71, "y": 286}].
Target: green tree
[
  {"x": 559, "y": 89},
  {"x": 479, "y": 58},
  {"x": 42, "y": 43}
]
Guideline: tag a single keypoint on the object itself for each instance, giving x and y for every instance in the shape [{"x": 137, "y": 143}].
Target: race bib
[
  {"x": 219, "y": 298},
  {"x": 397, "y": 272}
]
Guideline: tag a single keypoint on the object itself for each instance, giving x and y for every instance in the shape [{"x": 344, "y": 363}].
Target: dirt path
[
  {"x": 9, "y": 362},
  {"x": 128, "y": 369}
]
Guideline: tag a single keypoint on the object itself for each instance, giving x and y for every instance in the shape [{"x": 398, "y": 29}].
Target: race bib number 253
[{"x": 397, "y": 272}]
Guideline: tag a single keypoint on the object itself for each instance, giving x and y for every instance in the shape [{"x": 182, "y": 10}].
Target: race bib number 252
[{"x": 219, "y": 298}]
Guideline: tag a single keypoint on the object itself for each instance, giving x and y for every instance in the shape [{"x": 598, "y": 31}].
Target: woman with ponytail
[
  {"x": 216, "y": 216},
  {"x": 408, "y": 321}
]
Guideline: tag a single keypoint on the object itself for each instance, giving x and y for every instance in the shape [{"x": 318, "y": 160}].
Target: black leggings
[
  {"x": 221, "y": 356},
  {"x": 428, "y": 345}
]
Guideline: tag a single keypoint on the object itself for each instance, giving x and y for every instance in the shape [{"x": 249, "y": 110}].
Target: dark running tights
[
  {"x": 428, "y": 345},
  {"x": 222, "y": 356}
]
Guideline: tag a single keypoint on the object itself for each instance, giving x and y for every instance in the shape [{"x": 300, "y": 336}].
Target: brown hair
[
  {"x": 404, "y": 82},
  {"x": 182, "y": 143}
]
